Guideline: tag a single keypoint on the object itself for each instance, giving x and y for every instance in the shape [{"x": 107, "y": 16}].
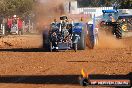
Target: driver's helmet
[
  {"x": 55, "y": 20},
  {"x": 110, "y": 15},
  {"x": 81, "y": 19},
  {"x": 14, "y": 16},
  {"x": 63, "y": 17},
  {"x": 123, "y": 19}
]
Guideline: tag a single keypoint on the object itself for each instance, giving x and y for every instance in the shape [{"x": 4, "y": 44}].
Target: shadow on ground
[
  {"x": 25, "y": 50},
  {"x": 41, "y": 79},
  {"x": 55, "y": 79},
  {"x": 30, "y": 50}
]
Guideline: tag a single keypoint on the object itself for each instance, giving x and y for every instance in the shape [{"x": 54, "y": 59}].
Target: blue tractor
[
  {"x": 119, "y": 22},
  {"x": 64, "y": 35}
]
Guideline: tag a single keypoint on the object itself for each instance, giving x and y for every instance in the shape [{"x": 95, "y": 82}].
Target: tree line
[
  {"x": 16, "y": 7},
  {"x": 122, "y": 4},
  {"x": 25, "y": 7}
]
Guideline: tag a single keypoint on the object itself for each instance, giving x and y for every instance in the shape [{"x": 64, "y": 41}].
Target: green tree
[
  {"x": 18, "y": 7},
  {"x": 126, "y": 4},
  {"x": 123, "y": 4}
]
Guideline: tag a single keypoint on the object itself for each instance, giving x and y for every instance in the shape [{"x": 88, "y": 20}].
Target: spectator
[{"x": 19, "y": 23}]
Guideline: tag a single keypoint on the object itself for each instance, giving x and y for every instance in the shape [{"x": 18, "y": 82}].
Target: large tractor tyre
[
  {"x": 91, "y": 41},
  {"x": 46, "y": 44},
  {"x": 118, "y": 32},
  {"x": 82, "y": 41}
]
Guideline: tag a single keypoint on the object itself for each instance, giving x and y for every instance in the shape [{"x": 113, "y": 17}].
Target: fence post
[
  {"x": 1, "y": 27},
  {"x": 17, "y": 27},
  {"x": 3, "y": 30},
  {"x": 32, "y": 26},
  {"x": 29, "y": 25},
  {"x": 23, "y": 26}
]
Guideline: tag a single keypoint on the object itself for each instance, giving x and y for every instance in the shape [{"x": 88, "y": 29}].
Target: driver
[
  {"x": 65, "y": 28},
  {"x": 55, "y": 22},
  {"x": 112, "y": 19}
]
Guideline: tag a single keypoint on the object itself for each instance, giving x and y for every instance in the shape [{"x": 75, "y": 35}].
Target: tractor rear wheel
[
  {"x": 118, "y": 32},
  {"x": 91, "y": 40},
  {"x": 46, "y": 44},
  {"x": 82, "y": 42}
]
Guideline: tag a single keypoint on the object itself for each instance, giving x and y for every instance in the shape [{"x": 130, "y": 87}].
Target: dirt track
[{"x": 23, "y": 64}]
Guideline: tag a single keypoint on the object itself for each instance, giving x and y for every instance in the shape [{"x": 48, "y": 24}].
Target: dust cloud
[
  {"x": 108, "y": 40},
  {"x": 47, "y": 10}
]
